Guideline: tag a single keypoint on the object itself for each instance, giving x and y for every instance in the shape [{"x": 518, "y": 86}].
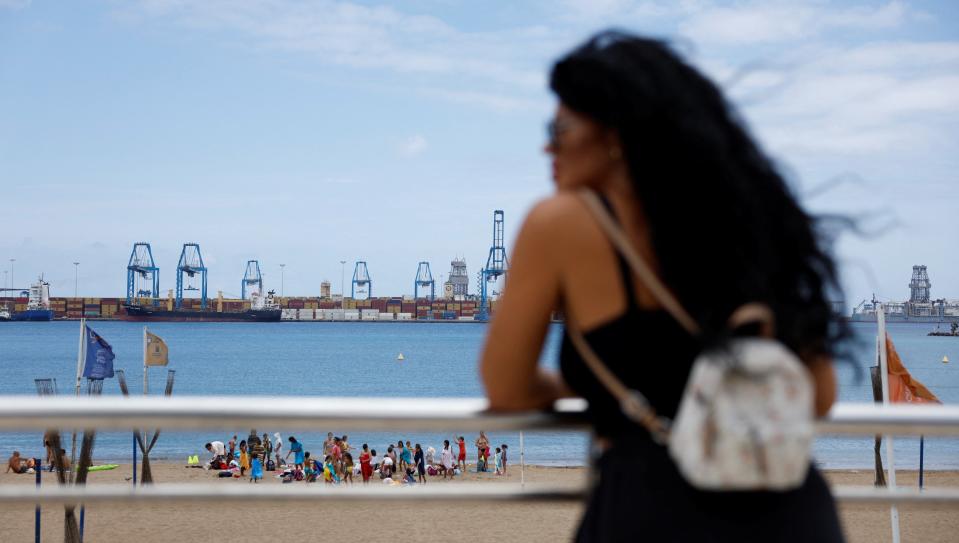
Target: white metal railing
[{"x": 422, "y": 414}]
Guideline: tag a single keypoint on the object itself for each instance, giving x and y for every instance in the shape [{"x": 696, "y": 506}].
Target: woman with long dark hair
[{"x": 703, "y": 205}]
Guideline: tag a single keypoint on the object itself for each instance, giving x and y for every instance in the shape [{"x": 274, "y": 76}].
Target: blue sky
[{"x": 309, "y": 132}]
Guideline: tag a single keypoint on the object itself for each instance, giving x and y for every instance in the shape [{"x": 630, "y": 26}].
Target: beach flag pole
[
  {"x": 81, "y": 352},
  {"x": 921, "y": 447},
  {"x": 522, "y": 461},
  {"x": 884, "y": 373}
]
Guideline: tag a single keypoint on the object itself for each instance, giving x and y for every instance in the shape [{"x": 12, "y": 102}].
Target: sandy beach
[{"x": 410, "y": 521}]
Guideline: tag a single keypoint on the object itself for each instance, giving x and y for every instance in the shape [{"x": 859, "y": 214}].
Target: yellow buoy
[
  {"x": 401, "y": 357},
  {"x": 945, "y": 359}
]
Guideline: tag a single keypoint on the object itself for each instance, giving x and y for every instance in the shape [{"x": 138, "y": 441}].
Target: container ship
[
  {"x": 262, "y": 309},
  {"x": 37, "y": 307}
]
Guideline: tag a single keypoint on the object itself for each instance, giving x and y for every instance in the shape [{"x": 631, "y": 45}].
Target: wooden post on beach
[
  {"x": 884, "y": 373},
  {"x": 877, "y": 447}
]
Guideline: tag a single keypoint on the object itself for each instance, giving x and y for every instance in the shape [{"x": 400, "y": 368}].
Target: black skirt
[{"x": 640, "y": 496}]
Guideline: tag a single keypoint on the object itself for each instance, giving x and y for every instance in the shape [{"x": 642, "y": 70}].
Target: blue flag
[{"x": 99, "y": 363}]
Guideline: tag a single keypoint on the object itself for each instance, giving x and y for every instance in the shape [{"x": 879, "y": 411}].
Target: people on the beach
[
  {"x": 420, "y": 461},
  {"x": 17, "y": 464},
  {"x": 645, "y": 135},
  {"x": 244, "y": 458},
  {"x": 482, "y": 451},
  {"x": 504, "y": 447},
  {"x": 461, "y": 457},
  {"x": 218, "y": 454},
  {"x": 366, "y": 465},
  {"x": 413, "y": 463},
  {"x": 347, "y": 468},
  {"x": 278, "y": 449},
  {"x": 296, "y": 449},
  {"x": 446, "y": 460},
  {"x": 498, "y": 461}
]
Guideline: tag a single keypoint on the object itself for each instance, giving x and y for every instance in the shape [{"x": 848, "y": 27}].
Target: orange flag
[{"x": 902, "y": 387}]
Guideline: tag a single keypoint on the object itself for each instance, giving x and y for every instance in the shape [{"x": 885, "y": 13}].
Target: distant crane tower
[
  {"x": 424, "y": 278},
  {"x": 191, "y": 263},
  {"x": 361, "y": 279},
  {"x": 252, "y": 278},
  {"x": 143, "y": 277},
  {"x": 919, "y": 286},
  {"x": 497, "y": 263}
]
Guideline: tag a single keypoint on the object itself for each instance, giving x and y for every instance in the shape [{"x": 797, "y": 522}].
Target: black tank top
[{"x": 647, "y": 350}]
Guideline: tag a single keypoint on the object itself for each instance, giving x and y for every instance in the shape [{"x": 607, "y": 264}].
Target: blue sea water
[{"x": 359, "y": 359}]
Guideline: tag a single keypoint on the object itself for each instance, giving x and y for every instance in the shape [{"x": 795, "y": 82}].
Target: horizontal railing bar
[
  {"x": 899, "y": 495},
  {"x": 896, "y": 419},
  {"x": 299, "y": 492},
  {"x": 171, "y": 492},
  {"x": 414, "y": 414},
  {"x": 287, "y": 412}
]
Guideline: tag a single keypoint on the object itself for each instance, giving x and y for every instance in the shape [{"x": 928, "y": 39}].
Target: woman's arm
[
  {"x": 508, "y": 366},
  {"x": 824, "y": 383}
]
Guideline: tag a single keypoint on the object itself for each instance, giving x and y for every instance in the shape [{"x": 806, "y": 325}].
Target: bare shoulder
[{"x": 555, "y": 213}]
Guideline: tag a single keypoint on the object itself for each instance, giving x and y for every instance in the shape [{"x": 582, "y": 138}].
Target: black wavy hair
[{"x": 725, "y": 228}]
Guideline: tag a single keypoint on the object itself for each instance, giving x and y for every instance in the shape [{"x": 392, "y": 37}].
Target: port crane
[
  {"x": 424, "y": 278},
  {"x": 252, "y": 279},
  {"x": 361, "y": 279},
  {"x": 191, "y": 264},
  {"x": 143, "y": 276},
  {"x": 497, "y": 264}
]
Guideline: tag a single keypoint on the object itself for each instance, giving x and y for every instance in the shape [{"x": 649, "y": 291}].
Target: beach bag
[
  {"x": 745, "y": 420},
  {"x": 270, "y": 465}
]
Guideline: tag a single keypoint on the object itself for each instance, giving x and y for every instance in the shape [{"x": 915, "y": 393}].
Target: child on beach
[
  {"x": 256, "y": 471},
  {"x": 419, "y": 460},
  {"x": 408, "y": 455},
  {"x": 348, "y": 468},
  {"x": 374, "y": 460},
  {"x": 503, "y": 457},
  {"x": 244, "y": 458},
  {"x": 498, "y": 461},
  {"x": 398, "y": 456},
  {"x": 430, "y": 456},
  {"x": 277, "y": 448}
]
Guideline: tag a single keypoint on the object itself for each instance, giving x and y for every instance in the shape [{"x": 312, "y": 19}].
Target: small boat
[
  {"x": 4, "y": 314},
  {"x": 401, "y": 357},
  {"x": 945, "y": 359},
  {"x": 953, "y": 331}
]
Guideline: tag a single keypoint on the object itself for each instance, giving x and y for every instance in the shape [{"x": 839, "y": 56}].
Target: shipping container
[{"x": 404, "y": 316}]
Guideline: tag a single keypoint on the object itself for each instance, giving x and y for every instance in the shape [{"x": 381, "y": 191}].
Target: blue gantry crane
[
  {"x": 191, "y": 264},
  {"x": 143, "y": 276},
  {"x": 361, "y": 279},
  {"x": 497, "y": 264},
  {"x": 424, "y": 278},
  {"x": 252, "y": 278}
]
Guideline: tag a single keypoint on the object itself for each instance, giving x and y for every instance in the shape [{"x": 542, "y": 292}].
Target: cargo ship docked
[
  {"x": 263, "y": 309},
  {"x": 38, "y": 305}
]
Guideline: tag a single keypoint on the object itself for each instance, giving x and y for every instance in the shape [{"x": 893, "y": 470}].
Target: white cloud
[
  {"x": 413, "y": 145},
  {"x": 777, "y": 22}
]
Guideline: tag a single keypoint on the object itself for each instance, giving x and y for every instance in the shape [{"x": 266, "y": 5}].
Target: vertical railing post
[{"x": 36, "y": 528}]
